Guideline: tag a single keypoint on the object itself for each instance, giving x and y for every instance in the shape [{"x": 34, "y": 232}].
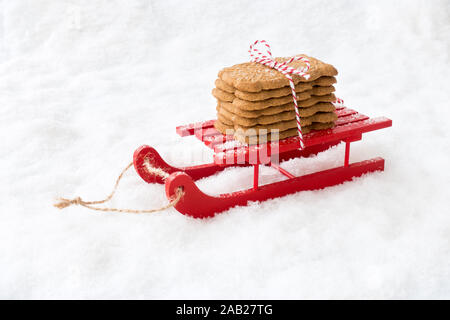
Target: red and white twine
[
  {"x": 266, "y": 59},
  {"x": 338, "y": 102}
]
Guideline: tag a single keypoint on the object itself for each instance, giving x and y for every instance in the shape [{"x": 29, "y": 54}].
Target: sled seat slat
[
  {"x": 344, "y": 112},
  {"x": 349, "y": 125},
  {"x": 210, "y": 132},
  {"x": 212, "y": 140},
  {"x": 190, "y": 129},
  {"x": 211, "y": 137},
  {"x": 254, "y": 152},
  {"x": 350, "y": 118},
  {"x": 206, "y": 128},
  {"x": 345, "y": 116}
]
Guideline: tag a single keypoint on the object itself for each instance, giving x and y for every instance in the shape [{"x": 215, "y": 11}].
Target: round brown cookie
[
  {"x": 314, "y": 91},
  {"x": 281, "y": 126},
  {"x": 304, "y": 112},
  {"x": 285, "y": 91},
  {"x": 302, "y": 103},
  {"x": 229, "y": 97},
  {"x": 223, "y": 86},
  {"x": 321, "y": 126},
  {"x": 275, "y": 93},
  {"x": 287, "y": 123},
  {"x": 274, "y": 119},
  {"x": 222, "y": 128},
  {"x": 235, "y": 119},
  {"x": 222, "y": 95},
  {"x": 324, "y": 81},
  {"x": 322, "y": 90},
  {"x": 255, "y": 113},
  {"x": 224, "y": 119},
  {"x": 254, "y": 77},
  {"x": 305, "y": 129},
  {"x": 318, "y": 107}
]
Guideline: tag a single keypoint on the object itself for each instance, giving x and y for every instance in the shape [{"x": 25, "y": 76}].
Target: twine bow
[
  {"x": 64, "y": 203},
  {"x": 265, "y": 58}
]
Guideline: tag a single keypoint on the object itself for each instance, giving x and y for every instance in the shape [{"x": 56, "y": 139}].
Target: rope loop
[{"x": 64, "y": 203}]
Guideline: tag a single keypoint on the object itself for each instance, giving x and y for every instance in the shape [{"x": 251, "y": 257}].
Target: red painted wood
[
  {"x": 214, "y": 139},
  {"x": 200, "y": 133},
  {"x": 345, "y": 116},
  {"x": 282, "y": 171},
  {"x": 155, "y": 160},
  {"x": 220, "y": 139},
  {"x": 349, "y": 127},
  {"x": 347, "y": 130},
  {"x": 204, "y": 170},
  {"x": 308, "y": 151},
  {"x": 350, "y": 118},
  {"x": 345, "y": 112},
  {"x": 211, "y": 140},
  {"x": 197, "y": 204},
  {"x": 189, "y": 129},
  {"x": 255, "y": 176},
  {"x": 257, "y": 153},
  {"x": 347, "y": 153},
  {"x": 210, "y": 132}
]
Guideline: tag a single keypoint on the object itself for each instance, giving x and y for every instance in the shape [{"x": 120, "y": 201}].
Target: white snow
[{"x": 84, "y": 83}]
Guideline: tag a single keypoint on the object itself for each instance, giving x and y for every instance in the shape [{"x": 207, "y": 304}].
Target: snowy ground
[{"x": 84, "y": 83}]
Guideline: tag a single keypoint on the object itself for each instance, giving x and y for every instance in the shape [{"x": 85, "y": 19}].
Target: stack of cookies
[{"x": 253, "y": 100}]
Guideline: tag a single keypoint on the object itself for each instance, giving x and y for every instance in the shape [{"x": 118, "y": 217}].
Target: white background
[{"x": 84, "y": 83}]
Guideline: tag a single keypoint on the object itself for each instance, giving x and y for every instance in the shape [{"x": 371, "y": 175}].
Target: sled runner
[{"x": 228, "y": 152}]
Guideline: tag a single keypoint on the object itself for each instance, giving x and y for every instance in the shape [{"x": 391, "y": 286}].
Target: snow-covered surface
[{"x": 84, "y": 83}]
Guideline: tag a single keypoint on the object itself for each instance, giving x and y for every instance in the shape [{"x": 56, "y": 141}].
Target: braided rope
[{"x": 64, "y": 203}]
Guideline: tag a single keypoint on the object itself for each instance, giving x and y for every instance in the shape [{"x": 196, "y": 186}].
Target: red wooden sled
[{"x": 228, "y": 152}]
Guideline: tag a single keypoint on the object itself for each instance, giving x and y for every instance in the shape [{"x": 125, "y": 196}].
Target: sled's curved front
[
  {"x": 148, "y": 154},
  {"x": 197, "y": 204}
]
